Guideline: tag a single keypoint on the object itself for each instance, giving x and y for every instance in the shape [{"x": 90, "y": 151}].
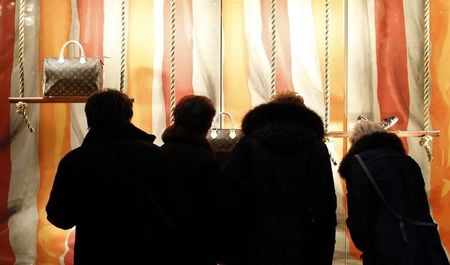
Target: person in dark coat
[
  {"x": 119, "y": 190},
  {"x": 185, "y": 142},
  {"x": 399, "y": 231},
  {"x": 284, "y": 201}
]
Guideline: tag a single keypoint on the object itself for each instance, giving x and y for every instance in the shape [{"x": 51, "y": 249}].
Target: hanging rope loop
[
  {"x": 427, "y": 141},
  {"x": 21, "y": 109}
]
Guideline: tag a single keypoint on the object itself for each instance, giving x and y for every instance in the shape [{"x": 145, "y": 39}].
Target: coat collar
[
  {"x": 375, "y": 141},
  {"x": 123, "y": 131}
]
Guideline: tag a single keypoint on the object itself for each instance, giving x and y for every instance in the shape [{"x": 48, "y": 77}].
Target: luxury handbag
[
  {"x": 72, "y": 76},
  {"x": 222, "y": 141}
]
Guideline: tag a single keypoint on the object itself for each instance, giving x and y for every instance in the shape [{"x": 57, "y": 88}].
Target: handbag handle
[
  {"x": 214, "y": 134},
  {"x": 61, "y": 53}
]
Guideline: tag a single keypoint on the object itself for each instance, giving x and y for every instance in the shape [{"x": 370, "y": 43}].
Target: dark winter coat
[
  {"x": 102, "y": 188},
  {"x": 282, "y": 183},
  {"x": 204, "y": 186},
  {"x": 373, "y": 228}
]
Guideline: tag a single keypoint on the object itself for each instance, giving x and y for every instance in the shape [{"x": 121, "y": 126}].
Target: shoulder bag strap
[{"x": 388, "y": 206}]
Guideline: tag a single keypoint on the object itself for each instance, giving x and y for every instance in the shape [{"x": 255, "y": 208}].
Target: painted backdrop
[{"x": 222, "y": 50}]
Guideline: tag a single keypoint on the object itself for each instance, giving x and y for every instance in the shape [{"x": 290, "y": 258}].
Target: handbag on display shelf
[
  {"x": 222, "y": 140},
  {"x": 72, "y": 76}
]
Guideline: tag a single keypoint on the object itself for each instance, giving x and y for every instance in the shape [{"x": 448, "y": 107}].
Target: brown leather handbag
[
  {"x": 72, "y": 76},
  {"x": 223, "y": 140}
]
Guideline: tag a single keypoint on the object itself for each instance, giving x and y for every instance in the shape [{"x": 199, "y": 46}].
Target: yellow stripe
[
  {"x": 235, "y": 72},
  {"x": 440, "y": 104},
  {"x": 140, "y": 61},
  {"x": 54, "y": 129}
]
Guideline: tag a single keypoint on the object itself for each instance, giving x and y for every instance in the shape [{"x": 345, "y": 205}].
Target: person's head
[
  {"x": 108, "y": 108},
  {"x": 288, "y": 97},
  {"x": 195, "y": 113},
  {"x": 364, "y": 127}
]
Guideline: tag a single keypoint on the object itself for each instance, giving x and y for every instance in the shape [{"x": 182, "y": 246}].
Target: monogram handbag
[
  {"x": 223, "y": 140},
  {"x": 72, "y": 76}
]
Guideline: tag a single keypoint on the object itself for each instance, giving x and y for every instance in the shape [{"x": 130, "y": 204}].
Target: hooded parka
[
  {"x": 284, "y": 200},
  {"x": 373, "y": 227}
]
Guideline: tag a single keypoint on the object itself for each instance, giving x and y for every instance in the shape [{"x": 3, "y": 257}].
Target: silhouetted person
[
  {"x": 284, "y": 200},
  {"x": 388, "y": 213},
  {"x": 118, "y": 189},
  {"x": 185, "y": 142}
]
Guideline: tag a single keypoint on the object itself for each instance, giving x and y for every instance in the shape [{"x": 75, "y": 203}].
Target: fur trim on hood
[
  {"x": 363, "y": 128},
  {"x": 375, "y": 140},
  {"x": 283, "y": 126}
]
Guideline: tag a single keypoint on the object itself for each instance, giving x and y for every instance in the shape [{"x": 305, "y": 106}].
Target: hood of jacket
[
  {"x": 283, "y": 127},
  {"x": 119, "y": 132},
  {"x": 180, "y": 134},
  {"x": 377, "y": 140}
]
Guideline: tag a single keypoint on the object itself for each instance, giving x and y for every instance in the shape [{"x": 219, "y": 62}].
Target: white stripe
[
  {"x": 413, "y": 12},
  {"x": 259, "y": 66},
  {"x": 24, "y": 148},
  {"x": 158, "y": 107},
  {"x": 78, "y": 126},
  {"x": 361, "y": 93},
  {"x": 306, "y": 71},
  {"x": 206, "y": 48}
]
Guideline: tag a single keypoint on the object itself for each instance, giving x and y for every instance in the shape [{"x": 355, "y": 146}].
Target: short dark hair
[
  {"x": 195, "y": 113},
  {"x": 288, "y": 97},
  {"x": 108, "y": 108}
]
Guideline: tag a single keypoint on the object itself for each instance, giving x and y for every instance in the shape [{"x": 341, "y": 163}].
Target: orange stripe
[
  {"x": 283, "y": 80},
  {"x": 440, "y": 106},
  {"x": 54, "y": 129},
  {"x": 183, "y": 53},
  {"x": 393, "y": 89},
  {"x": 140, "y": 61},
  {"x": 6, "y": 62},
  {"x": 236, "y": 93}
]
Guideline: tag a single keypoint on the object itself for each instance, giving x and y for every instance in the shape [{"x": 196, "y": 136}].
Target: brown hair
[{"x": 288, "y": 97}]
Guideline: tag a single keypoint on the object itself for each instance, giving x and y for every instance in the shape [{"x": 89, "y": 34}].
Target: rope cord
[
  {"x": 327, "y": 66},
  {"x": 327, "y": 140},
  {"x": 122, "y": 46},
  {"x": 172, "y": 59},
  {"x": 426, "y": 141},
  {"x": 21, "y": 107},
  {"x": 273, "y": 70}
]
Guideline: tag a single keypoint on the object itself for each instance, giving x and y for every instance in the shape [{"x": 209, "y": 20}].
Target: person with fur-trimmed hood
[
  {"x": 390, "y": 224},
  {"x": 202, "y": 176},
  {"x": 284, "y": 202}
]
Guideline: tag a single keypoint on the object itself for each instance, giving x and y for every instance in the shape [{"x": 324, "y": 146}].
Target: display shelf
[
  {"x": 71, "y": 99},
  {"x": 77, "y": 99},
  {"x": 343, "y": 134}
]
